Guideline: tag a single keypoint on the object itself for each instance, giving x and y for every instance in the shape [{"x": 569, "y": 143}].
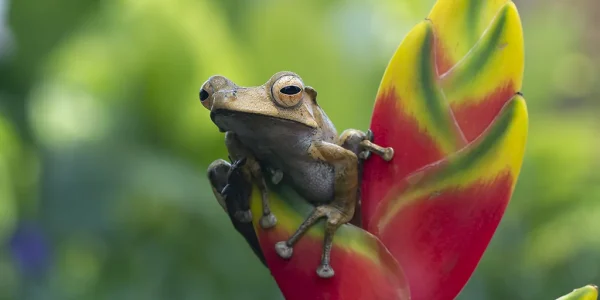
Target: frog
[{"x": 278, "y": 128}]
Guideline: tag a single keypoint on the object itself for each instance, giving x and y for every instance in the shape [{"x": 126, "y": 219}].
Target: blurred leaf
[{"x": 588, "y": 292}]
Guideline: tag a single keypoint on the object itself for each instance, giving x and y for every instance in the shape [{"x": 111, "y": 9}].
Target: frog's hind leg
[
  {"x": 335, "y": 219},
  {"x": 341, "y": 209}
]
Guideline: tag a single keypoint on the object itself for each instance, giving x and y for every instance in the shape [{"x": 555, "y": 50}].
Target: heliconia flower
[
  {"x": 588, "y": 292},
  {"x": 449, "y": 105}
]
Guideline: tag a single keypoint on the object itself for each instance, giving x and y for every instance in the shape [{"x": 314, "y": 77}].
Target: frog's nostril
[{"x": 203, "y": 95}]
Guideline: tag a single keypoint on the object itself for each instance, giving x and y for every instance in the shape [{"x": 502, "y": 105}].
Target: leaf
[
  {"x": 437, "y": 204},
  {"x": 588, "y": 292},
  {"x": 364, "y": 269},
  {"x": 438, "y": 221}
]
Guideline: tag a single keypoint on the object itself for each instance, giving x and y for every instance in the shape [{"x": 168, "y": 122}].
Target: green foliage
[{"x": 104, "y": 144}]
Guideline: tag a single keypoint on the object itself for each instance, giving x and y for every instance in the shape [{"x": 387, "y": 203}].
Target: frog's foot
[
  {"x": 268, "y": 221},
  {"x": 243, "y": 216},
  {"x": 368, "y": 146}
]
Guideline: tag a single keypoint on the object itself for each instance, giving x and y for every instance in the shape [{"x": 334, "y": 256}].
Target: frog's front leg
[
  {"x": 361, "y": 143},
  {"x": 341, "y": 208},
  {"x": 252, "y": 170}
]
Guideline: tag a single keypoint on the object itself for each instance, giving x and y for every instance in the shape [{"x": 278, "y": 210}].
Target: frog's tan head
[{"x": 284, "y": 97}]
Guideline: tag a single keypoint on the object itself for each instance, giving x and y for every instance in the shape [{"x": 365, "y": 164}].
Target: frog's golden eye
[{"x": 288, "y": 91}]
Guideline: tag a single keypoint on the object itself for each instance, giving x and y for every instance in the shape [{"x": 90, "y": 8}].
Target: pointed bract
[
  {"x": 459, "y": 25},
  {"x": 479, "y": 85}
]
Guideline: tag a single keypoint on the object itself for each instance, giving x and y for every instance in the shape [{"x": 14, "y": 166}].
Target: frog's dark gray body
[{"x": 284, "y": 145}]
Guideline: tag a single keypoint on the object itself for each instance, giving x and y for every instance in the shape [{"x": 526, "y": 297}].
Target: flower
[{"x": 450, "y": 105}]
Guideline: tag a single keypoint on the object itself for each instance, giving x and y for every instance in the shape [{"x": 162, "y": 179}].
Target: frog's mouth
[{"x": 229, "y": 120}]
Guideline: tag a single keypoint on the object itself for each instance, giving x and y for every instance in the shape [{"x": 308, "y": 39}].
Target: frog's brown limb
[
  {"x": 284, "y": 249},
  {"x": 252, "y": 171},
  {"x": 339, "y": 211}
]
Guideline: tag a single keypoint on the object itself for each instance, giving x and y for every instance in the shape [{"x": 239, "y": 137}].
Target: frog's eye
[{"x": 288, "y": 91}]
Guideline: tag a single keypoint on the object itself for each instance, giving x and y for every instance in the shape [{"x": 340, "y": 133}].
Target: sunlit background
[{"x": 104, "y": 144}]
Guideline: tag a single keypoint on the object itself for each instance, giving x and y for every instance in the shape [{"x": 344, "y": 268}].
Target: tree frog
[{"x": 280, "y": 126}]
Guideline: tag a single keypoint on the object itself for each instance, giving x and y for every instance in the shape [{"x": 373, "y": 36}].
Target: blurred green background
[{"x": 104, "y": 144}]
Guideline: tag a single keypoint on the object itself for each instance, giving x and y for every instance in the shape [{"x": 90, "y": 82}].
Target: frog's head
[{"x": 282, "y": 99}]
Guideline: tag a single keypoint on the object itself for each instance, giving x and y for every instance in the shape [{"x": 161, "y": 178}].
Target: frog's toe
[
  {"x": 325, "y": 271},
  {"x": 243, "y": 216},
  {"x": 369, "y": 135},
  {"x": 388, "y": 154},
  {"x": 268, "y": 221},
  {"x": 276, "y": 176},
  {"x": 283, "y": 250}
]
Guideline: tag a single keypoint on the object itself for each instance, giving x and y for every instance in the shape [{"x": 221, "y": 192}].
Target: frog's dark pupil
[
  {"x": 290, "y": 90},
  {"x": 203, "y": 95}
]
